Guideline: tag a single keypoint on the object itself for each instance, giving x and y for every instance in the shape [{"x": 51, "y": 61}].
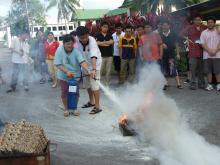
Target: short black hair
[
  {"x": 211, "y": 18},
  {"x": 50, "y": 33},
  {"x": 197, "y": 16},
  {"x": 165, "y": 21},
  {"x": 82, "y": 30},
  {"x": 73, "y": 33},
  {"x": 104, "y": 23},
  {"x": 128, "y": 27},
  {"x": 118, "y": 25},
  {"x": 67, "y": 38}
]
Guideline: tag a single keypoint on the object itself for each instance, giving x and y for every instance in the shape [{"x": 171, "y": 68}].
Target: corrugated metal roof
[
  {"x": 118, "y": 11},
  {"x": 90, "y": 14}
]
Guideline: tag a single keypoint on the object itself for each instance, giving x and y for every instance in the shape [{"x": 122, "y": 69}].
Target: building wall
[{"x": 58, "y": 29}]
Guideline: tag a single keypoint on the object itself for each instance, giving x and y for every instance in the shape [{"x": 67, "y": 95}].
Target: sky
[{"x": 87, "y": 4}]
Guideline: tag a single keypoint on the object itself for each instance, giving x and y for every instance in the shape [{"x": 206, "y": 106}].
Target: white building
[{"x": 58, "y": 28}]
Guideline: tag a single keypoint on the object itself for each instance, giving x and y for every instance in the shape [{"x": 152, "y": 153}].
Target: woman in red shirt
[{"x": 51, "y": 46}]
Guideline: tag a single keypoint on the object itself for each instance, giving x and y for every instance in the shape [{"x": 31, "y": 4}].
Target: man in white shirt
[
  {"x": 20, "y": 57},
  {"x": 89, "y": 48},
  {"x": 116, "y": 38},
  {"x": 210, "y": 40}
]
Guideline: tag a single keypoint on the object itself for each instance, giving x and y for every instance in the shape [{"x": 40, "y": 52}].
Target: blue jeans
[{"x": 17, "y": 69}]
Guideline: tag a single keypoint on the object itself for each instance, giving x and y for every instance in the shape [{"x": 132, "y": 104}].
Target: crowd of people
[{"x": 128, "y": 48}]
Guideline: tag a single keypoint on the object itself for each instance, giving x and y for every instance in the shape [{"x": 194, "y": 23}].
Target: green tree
[
  {"x": 154, "y": 4},
  {"x": 24, "y": 14},
  {"x": 65, "y": 8}
]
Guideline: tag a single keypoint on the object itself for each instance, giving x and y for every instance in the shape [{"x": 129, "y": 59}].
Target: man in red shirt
[
  {"x": 150, "y": 46},
  {"x": 51, "y": 46},
  {"x": 192, "y": 35}
]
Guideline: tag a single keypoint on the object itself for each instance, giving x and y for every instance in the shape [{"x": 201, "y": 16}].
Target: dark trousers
[
  {"x": 117, "y": 63},
  {"x": 17, "y": 70},
  {"x": 196, "y": 69}
]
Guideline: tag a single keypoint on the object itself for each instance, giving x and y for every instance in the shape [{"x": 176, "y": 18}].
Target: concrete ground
[{"x": 92, "y": 140}]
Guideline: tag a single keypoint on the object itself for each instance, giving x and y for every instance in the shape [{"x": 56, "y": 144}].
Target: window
[
  {"x": 60, "y": 28},
  {"x": 42, "y": 29},
  {"x": 49, "y": 28},
  {"x": 70, "y": 27},
  {"x": 35, "y": 29},
  {"x": 64, "y": 27},
  {"x": 54, "y": 28}
]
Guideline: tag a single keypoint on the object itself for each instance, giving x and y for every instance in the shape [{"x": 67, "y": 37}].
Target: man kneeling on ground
[{"x": 69, "y": 62}]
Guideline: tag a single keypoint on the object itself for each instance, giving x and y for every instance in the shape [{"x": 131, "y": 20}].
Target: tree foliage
[
  {"x": 65, "y": 7},
  {"x": 20, "y": 16},
  {"x": 154, "y": 4}
]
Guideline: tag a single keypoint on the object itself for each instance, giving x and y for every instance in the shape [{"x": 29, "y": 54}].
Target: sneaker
[
  {"x": 42, "y": 81},
  {"x": 165, "y": 87},
  {"x": 187, "y": 81},
  {"x": 54, "y": 85},
  {"x": 209, "y": 87},
  {"x": 11, "y": 89},
  {"x": 218, "y": 87},
  {"x": 179, "y": 86}
]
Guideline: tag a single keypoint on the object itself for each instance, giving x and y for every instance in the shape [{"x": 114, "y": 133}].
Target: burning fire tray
[{"x": 126, "y": 130}]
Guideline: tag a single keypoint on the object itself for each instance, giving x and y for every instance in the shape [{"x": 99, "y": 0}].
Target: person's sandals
[
  {"x": 66, "y": 113},
  {"x": 179, "y": 86},
  {"x": 75, "y": 113},
  {"x": 95, "y": 111},
  {"x": 88, "y": 105},
  {"x": 54, "y": 85},
  {"x": 165, "y": 87}
]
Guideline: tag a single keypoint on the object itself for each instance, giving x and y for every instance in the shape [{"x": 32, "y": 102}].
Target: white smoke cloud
[{"x": 158, "y": 121}]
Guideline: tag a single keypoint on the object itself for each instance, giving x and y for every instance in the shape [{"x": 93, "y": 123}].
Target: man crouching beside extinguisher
[{"x": 69, "y": 62}]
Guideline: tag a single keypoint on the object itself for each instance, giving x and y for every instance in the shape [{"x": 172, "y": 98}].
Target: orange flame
[{"x": 123, "y": 120}]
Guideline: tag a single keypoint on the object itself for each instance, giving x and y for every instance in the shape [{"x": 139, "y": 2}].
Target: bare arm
[
  {"x": 161, "y": 50},
  {"x": 102, "y": 43},
  {"x": 15, "y": 51},
  {"x": 210, "y": 51},
  {"x": 93, "y": 72},
  {"x": 218, "y": 48},
  {"x": 110, "y": 42},
  {"x": 177, "y": 51},
  {"x": 84, "y": 65},
  {"x": 62, "y": 68}
]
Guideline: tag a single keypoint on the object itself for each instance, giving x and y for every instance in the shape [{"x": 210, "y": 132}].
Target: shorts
[
  {"x": 52, "y": 69},
  {"x": 212, "y": 65},
  {"x": 89, "y": 82}
]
